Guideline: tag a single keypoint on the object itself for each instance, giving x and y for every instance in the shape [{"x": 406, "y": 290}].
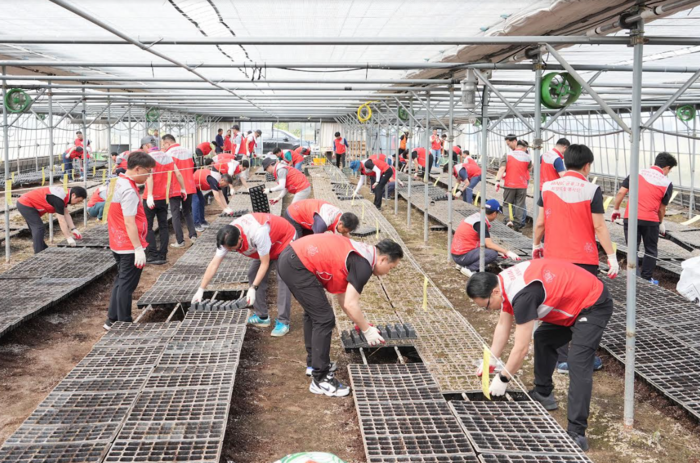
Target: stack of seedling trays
[
  {"x": 258, "y": 199},
  {"x": 399, "y": 334}
]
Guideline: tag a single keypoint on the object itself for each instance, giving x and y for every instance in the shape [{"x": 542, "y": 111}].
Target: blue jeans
[
  {"x": 471, "y": 259},
  {"x": 298, "y": 167},
  {"x": 468, "y": 195},
  {"x": 68, "y": 165},
  {"x": 97, "y": 210},
  {"x": 198, "y": 208}
]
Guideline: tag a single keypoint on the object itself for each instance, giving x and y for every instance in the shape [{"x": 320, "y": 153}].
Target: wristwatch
[
  {"x": 503, "y": 378},
  {"x": 255, "y": 287}
]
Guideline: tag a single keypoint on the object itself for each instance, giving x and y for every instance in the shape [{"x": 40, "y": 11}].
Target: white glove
[
  {"x": 139, "y": 257},
  {"x": 498, "y": 186},
  {"x": 512, "y": 255},
  {"x": 198, "y": 296},
  {"x": 538, "y": 251},
  {"x": 76, "y": 234},
  {"x": 614, "y": 266},
  {"x": 373, "y": 337},
  {"x": 492, "y": 368},
  {"x": 498, "y": 387},
  {"x": 267, "y": 191},
  {"x": 250, "y": 297},
  {"x": 150, "y": 202},
  {"x": 71, "y": 241},
  {"x": 375, "y": 185},
  {"x": 662, "y": 229},
  {"x": 228, "y": 211},
  {"x": 615, "y": 215}
]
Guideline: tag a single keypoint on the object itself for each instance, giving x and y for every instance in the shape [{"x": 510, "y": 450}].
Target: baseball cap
[
  {"x": 493, "y": 205},
  {"x": 148, "y": 139},
  {"x": 267, "y": 162}
]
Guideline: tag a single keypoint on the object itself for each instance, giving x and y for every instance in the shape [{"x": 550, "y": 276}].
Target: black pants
[
  {"x": 199, "y": 157},
  {"x": 563, "y": 351},
  {"x": 161, "y": 212},
  {"x": 430, "y": 167},
  {"x": 339, "y": 159},
  {"x": 319, "y": 319},
  {"x": 585, "y": 335},
  {"x": 650, "y": 235},
  {"x": 175, "y": 204},
  {"x": 35, "y": 224},
  {"x": 301, "y": 231},
  {"x": 126, "y": 282},
  {"x": 379, "y": 190}
]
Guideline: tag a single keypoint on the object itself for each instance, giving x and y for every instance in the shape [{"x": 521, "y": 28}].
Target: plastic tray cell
[
  {"x": 428, "y": 444},
  {"x": 173, "y": 431},
  {"x": 100, "y": 385},
  {"x": 79, "y": 400},
  {"x": 425, "y": 459},
  {"x": 54, "y": 453},
  {"x": 77, "y": 416},
  {"x": 33, "y": 434},
  {"x": 377, "y": 396},
  {"x": 503, "y": 458},
  {"x": 258, "y": 199},
  {"x": 410, "y": 425},
  {"x": 191, "y": 380},
  {"x": 182, "y": 405},
  {"x": 405, "y": 409},
  {"x": 198, "y": 451}
]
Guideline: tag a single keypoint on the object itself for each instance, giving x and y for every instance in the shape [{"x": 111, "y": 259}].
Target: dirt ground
[{"x": 663, "y": 432}]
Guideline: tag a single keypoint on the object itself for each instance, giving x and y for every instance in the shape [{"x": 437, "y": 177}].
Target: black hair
[
  {"x": 465, "y": 152},
  {"x": 277, "y": 150},
  {"x": 337, "y": 134},
  {"x": 511, "y": 137},
  {"x": 444, "y": 135},
  {"x": 79, "y": 149},
  {"x": 249, "y": 132},
  {"x": 227, "y": 178},
  {"x": 391, "y": 249},
  {"x": 577, "y": 156},
  {"x": 79, "y": 191},
  {"x": 228, "y": 235},
  {"x": 245, "y": 163},
  {"x": 140, "y": 159},
  {"x": 414, "y": 154},
  {"x": 369, "y": 164},
  {"x": 78, "y": 132},
  {"x": 523, "y": 143},
  {"x": 259, "y": 132},
  {"x": 350, "y": 221},
  {"x": 168, "y": 137},
  {"x": 665, "y": 159},
  {"x": 114, "y": 153},
  {"x": 563, "y": 142},
  {"x": 481, "y": 285},
  {"x": 219, "y": 130},
  {"x": 236, "y": 127}
]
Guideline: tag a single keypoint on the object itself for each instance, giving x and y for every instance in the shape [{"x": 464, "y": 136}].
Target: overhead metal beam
[{"x": 672, "y": 100}]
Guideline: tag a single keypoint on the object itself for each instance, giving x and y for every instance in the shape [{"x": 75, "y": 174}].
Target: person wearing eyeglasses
[{"x": 571, "y": 304}]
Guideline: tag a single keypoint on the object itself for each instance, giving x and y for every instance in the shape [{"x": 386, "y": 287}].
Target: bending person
[
  {"x": 313, "y": 216},
  {"x": 288, "y": 179}
]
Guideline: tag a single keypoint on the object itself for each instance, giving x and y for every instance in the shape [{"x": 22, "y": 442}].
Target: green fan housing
[
  {"x": 152, "y": 115},
  {"x": 17, "y": 100},
  {"x": 559, "y": 89},
  {"x": 403, "y": 114},
  {"x": 686, "y": 113}
]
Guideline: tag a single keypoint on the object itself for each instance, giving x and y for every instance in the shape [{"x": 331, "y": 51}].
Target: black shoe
[
  {"x": 156, "y": 261},
  {"x": 581, "y": 440},
  {"x": 548, "y": 401},
  {"x": 329, "y": 386},
  {"x": 108, "y": 325}
]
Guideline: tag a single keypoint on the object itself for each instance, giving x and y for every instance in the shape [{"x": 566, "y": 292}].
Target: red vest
[
  {"x": 229, "y": 167},
  {"x": 281, "y": 233},
  {"x": 569, "y": 289},
  {"x": 378, "y": 162},
  {"x": 421, "y": 156},
  {"x": 163, "y": 170},
  {"x": 123, "y": 159},
  {"x": 435, "y": 143},
  {"x": 98, "y": 196},
  {"x": 547, "y": 170},
  {"x": 200, "y": 179},
  {"x": 205, "y": 148},
  {"x": 302, "y": 212},
  {"x": 339, "y": 146},
  {"x": 239, "y": 143},
  {"x": 37, "y": 199},
  {"x": 118, "y": 237},
  {"x": 182, "y": 157},
  {"x": 517, "y": 170},
  {"x": 297, "y": 157},
  {"x": 296, "y": 181},
  {"x": 326, "y": 257},
  {"x": 252, "y": 143},
  {"x": 567, "y": 211},
  {"x": 227, "y": 144},
  {"x": 653, "y": 185},
  {"x": 470, "y": 165},
  {"x": 466, "y": 238}
]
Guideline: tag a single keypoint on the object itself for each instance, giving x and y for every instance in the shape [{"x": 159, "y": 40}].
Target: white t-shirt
[{"x": 258, "y": 238}]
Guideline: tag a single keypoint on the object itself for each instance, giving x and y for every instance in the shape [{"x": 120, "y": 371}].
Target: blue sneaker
[
  {"x": 280, "y": 329},
  {"x": 597, "y": 363},
  {"x": 255, "y": 320},
  {"x": 563, "y": 368},
  {"x": 654, "y": 282}
]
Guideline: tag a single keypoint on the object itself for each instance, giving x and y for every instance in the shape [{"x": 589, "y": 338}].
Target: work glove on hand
[
  {"x": 492, "y": 368},
  {"x": 498, "y": 387},
  {"x": 274, "y": 201},
  {"x": 614, "y": 266},
  {"x": 512, "y": 255},
  {"x": 150, "y": 202},
  {"x": 228, "y": 211},
  {"x": 615, "y": 215},
  {"x": 76, "y": 234},
  {"x": 250, "y": 297},
  {"x": 498, "y": 185},
  {"x": 139, "y": 257},
  {"x": 662, "y": 229},
  {"x": 375, "y": 185},
  {"x": 538, "y": 251},
  {"x": 267, "y": 191},
  {"x": 183, "y": 195},
  {"x": 373, "y": 337},
  {"x": 198, "y": 296},
  {"x": 71, "y": 241}
]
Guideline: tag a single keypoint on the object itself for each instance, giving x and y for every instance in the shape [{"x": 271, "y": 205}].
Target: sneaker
[
  {"x": 329, "y": 386},
  {"x": 597, "y": 363},
  {"x": 509, "y": 224},
  {"x": 108, "y": 325},
  {"x": 654, "y": 282},
  {"x": 466, "y": 272},
  {"x": 193, "y": 239},
  {"x": 178, "y": 245},
  {"x": 563, "y": 368},
  {"x": 581, "y": 440},
  {"x": 156, "y": 261},
  {"x": 280, "y": 329},
  {"x": 205, "y": 225},
  {"x": 548, "y": 401},
  {"x": 255, "y": 320},
  {"x": 199, "y": 228},
  {"x": 332, "y": 369}
]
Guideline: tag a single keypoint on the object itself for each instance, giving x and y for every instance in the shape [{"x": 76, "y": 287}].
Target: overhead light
[{"x": 469, "y": 90}]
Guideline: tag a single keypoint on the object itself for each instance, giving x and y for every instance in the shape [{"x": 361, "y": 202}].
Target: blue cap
[{"x": 492, "y": 205}]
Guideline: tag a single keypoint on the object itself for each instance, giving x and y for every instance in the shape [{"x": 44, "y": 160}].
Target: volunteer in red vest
[
  {"x": 165, "y": 182},
  {"x": 435, "y": 145},
  {"x": 571, "y": 304},
  {"x": 128, "y": 226},
  {"x": 312, "y": 216},
  {"x": 418, "y": 155},
  {"x": 298, "y": 156},
  {"x": 238, "y": 170},
  {"x": 227, "y": 142},
  {"x": 203, "y": 150},
  {"x": 252, "y": 141},
  {"x": 380, "y": 172},
  {"x": 50, "y": 200},
  {"x": 340, "y": 147},
  {"x": 392, "y": 184},
  {"x": 465, "y": 243},
  {"x": 655, "y": 192},
  {"x": 240, "y": 147},
  {"x": 468, "y": 174},
  {"x": 120, "y": 163},
  {"x": 288, "y": 180},
  {"x": 515, "y": 172},
  {"x": 96, "y": 203},
  {"x": 262, "y": 237},
  {"x": 181, "y": 200},
  {"x": 208, "y": 180},
  {"x": 283, "y": 155},
  {"x": 552, "y": 162},
  {"x": 314, "y": 264},
  {"x": 572, "y": 207}
]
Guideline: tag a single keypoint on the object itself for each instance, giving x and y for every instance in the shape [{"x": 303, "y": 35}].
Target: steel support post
[
  {"x": 6, "y": 159},
  {"x": 450, "y": 144},
  {"x": 85, "y": 158},
  {"x": 426, "y": 170},
  {"x": 51, "y": 154},
  {"x": 410, "y": 164},
  {"x": 637, "y": 37},
  {"x": 109, "y": 134},
  {"x": 396, "y": 165},
  {"x": 537, "y": 142},
  {"x": 129, "y": 129},
  {"x": 484, "y": 167},
  {"x": 691, "y": 200}
]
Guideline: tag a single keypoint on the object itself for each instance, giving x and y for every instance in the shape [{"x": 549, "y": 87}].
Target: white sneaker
[
  {"x": 466, "y": 272},
  {"x": 178, "y": 245},
  {"x": 509, "y": 224},
  {"x": 329, "y": 386}
]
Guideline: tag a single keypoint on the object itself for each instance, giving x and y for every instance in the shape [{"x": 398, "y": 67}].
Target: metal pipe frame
[
  {"x": 6, "y": 159},
  {"x": 512, "y": 108},
  {"x": 484, "y": 168}
]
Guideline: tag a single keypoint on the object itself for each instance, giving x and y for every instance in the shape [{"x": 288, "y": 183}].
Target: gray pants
[
  {"x": 303, "y": 194},
  {"x": 471, "y": 259},
  {"x": 284, "y": 296},
  {"x": 175, "y": 204},
  {"x": 516, "y": 197},
  {"x": 35, "y": 224}
]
